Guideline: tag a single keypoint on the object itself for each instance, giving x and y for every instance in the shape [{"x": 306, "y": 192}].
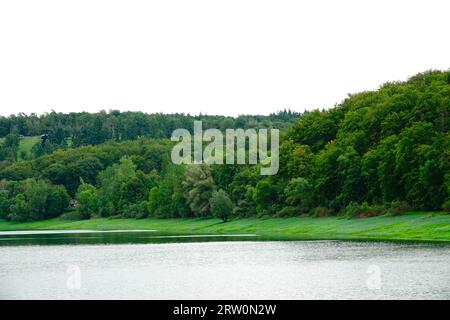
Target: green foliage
[
  {"x": 299, "y": 193},
  {"x": 246, "y": 206},
  {"x": 349, "y": 167},
  {"x": 27, "y": 143},
  {"x": 81, "y": 129},
  {"x": 5, "y": 204},
  {"x": 20, "y": 209},
  {"x": 321, "y": 212},
  {"x": 37, "y": 200},
  {"x": 66, "y": 167},
  {"x": 9, "y": 147},
  {"x": 137, "y": 210},
  {"x": 11, "y": 141},
  {"x": 289, "y": 211},
  {"x": 221, "y": 205},
  {"x": 166, "y": 198},
  {"x": 264, "y": 196},
  {"x": 241, "y": 189},
  {"x": 39, "y": 150},
  {"x": 446, "y": 206},
  {"x": 398, "y": 207},
  {"x": 363, "y": 210},
  {"x": 157, "y": 205},
  {"x": 199, "y": 186},
  {"x": 413, "y": 226},
  {"x": 376, "y": 147},
  {"x": 378, "y": 152},
  {"x": 120, "y": 186},
  {"x": 88, "y": 203},
  {"x": 315, "y": 129}
]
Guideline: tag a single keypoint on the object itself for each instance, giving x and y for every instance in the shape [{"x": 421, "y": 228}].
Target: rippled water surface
[{"x": 145, "y": 265}]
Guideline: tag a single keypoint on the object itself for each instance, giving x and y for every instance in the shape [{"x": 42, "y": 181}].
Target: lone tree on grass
[{"x": 221, "y": 205}]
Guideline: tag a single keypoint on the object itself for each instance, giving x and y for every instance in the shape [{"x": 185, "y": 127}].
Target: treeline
[
  {"x": 377, "y": 147},
  {"x": 119, "y": 173},
  {"x": 31, "y": 200},
  {"x": 80, "y": 129},
  {"x": 9, "y": 148},
  {"x": 65, "y": 131},
  {"x": 66, "y": 167},
  {"x": 378, "y": 152}
]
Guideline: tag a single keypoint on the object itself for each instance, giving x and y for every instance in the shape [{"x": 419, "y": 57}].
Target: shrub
[
  {"x": 398, "y": 207},
  {"x": 288, "y": 211},
  {"x": 363, "y": 210},
  {"x": 264, "y": 195},
  {"x": 20, "y": 210},
  {"x": 299, "y": 193},
  {"x": 57, "y": 201},
  {"x": 321, "y": 212},
  {"x": 137, "y": 210},
  {"x": 73, "y": 215},
  {"x": 106, "y": 210},
  {"x": 446, "y": 206},
  {"x": 88, "y": 203},
  {"x": 38, "y": 200},
  {"x": 5, "y": 204},
  {"x": 221, "y": 205}
]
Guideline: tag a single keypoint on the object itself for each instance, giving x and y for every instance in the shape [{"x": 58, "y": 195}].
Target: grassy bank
[
  {"x": 26, "y": 144},
  {"x": 419, "y": 226}
]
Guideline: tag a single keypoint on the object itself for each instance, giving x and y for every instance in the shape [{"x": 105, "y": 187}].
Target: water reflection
[
  {"x": 17, "y": 238},
  {"x": 140, "y": 265}
]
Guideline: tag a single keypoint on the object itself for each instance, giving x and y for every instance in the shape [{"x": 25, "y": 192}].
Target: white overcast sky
[{"x": 215, "y": 57}]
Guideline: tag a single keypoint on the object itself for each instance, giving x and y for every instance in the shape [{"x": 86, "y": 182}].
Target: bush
[
  {"x": 299, "y": 193},
  {"x": 398, "y": 207},
  {"x": 106, "y": 210},
  {"x": 446, "y": 206},
  {"x": 321, "y": 212},
  {"x": 57, "y": 201},
  {"x": 264, "y": 195},
  {"x": 137, "y": 210},
  {"x": 363, "y": 210},
  {"x": 221, "y": 205},
  {"x": 88, "y": 203},
  {"x": 244, "y": 210},
  {"x": 20, "y": 210},
  {"x": 289, "y": 211},
  {"x": 5, "y": 204},
  {"x": 351, "y": 210},
  {"x": 38, "y": 200},
  {"x": 73, "y": 215},
  {"x": 245, "y": 207}
]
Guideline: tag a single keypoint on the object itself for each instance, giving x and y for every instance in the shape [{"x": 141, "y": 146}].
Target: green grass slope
[
  {"x": 26, "y": 143},
  {"x": 414, "y": 226}
]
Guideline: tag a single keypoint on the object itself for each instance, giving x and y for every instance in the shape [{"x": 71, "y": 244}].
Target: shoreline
[{"x": 411, "y": 227}]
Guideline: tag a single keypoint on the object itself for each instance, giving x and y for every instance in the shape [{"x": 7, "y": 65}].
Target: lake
[{"x": 150, "y": 265}]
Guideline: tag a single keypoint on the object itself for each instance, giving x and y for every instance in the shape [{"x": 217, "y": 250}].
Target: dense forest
[
  {"x": 80, "y": 129},
  {"x": 378, "y": 152}
]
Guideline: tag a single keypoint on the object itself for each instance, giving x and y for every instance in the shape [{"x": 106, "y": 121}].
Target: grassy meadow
[
  {"x": 26, "y": 143},
  {"x": 413, "y": 226}
]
